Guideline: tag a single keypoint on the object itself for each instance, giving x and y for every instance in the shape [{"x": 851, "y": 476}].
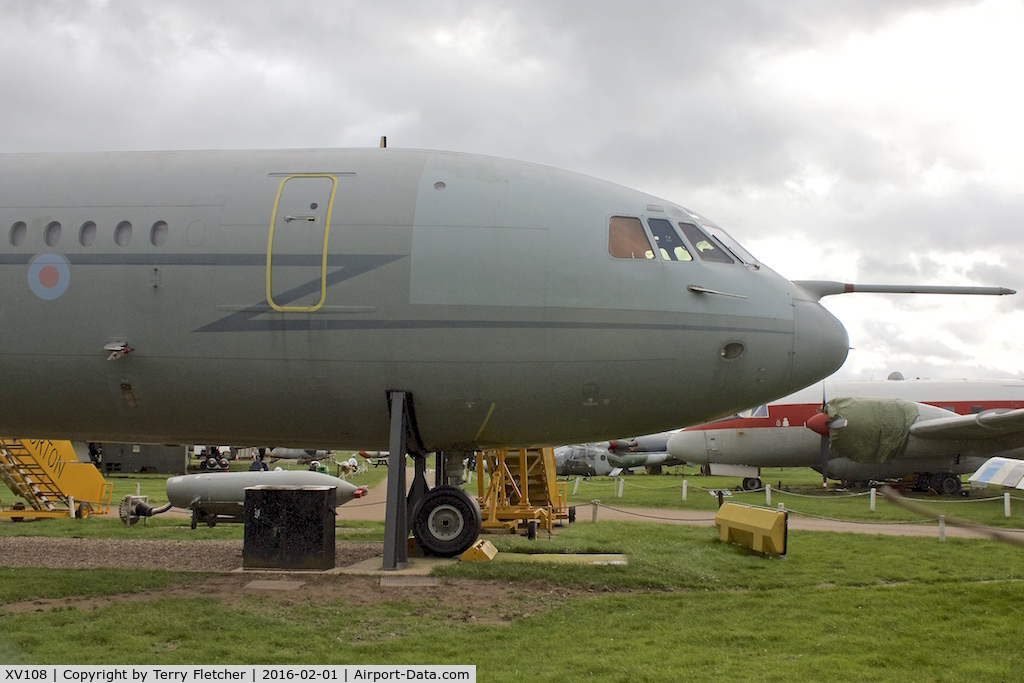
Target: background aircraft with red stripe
[{"x": 928, "y": 430}]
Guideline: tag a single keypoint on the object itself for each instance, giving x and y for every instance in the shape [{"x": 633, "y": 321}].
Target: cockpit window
[
  {"x": 706, "y": 247},
  {"x": 759, "y": 411},
  {"x": 733, "y": 247},
  {"x": 627, "y": 239},
  {"x": 669, "y": 243}
]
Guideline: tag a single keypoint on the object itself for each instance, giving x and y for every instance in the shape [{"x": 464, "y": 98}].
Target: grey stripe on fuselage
[{"x": 348, "y": 266}]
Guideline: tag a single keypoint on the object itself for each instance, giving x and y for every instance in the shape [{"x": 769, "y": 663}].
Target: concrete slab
[
  {"x": 417, "y": 566},
  {"x": 421, "y": 566}
]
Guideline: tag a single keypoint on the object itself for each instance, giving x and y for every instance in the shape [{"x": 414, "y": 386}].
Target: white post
[
  {"x": 782, "y": 507},
  {"x": 138, "y": 489},
  {"x": 71, "y": 504},
  {"x": 942, "y": 528},
  {"x": 684, "y": 490},
  {"x": 622, "y": 485},
  {"x": 767, "y": 495},
  {"x": 1006, "y": 504},
  {"x": 576, "y": 486},
  {"x": 595, "y": 504},
  {"x": 872, "y": 499}
]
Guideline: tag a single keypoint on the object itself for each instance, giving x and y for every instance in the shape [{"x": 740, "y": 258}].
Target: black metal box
[{"x": 289, "y": 527}]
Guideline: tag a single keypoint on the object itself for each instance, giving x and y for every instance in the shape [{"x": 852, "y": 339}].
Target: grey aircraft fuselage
[{"x": 254, "y": 297}]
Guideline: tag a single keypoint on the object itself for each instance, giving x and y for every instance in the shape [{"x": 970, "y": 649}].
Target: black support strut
[{"x": 396, "y": 517}]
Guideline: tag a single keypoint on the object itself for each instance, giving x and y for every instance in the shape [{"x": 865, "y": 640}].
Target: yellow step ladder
[
  {"x": 522, "y": 490},
  {"x": 49, "y": 477}
]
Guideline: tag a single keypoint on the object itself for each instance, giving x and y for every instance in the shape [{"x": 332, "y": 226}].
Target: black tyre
[
  {"x": 751, "y": 484},
  {"x": 83, "y": 511},
  {"x": 446, "y": 521},
  {"x": 18, "y": 506},
  {"x": 531, "y": 530},
  {"x": 950, "y": 484}
]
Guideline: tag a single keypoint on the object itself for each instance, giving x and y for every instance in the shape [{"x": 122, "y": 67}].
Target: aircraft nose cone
[
  {"x": 818, "y": 423},
  {"x": 820, "y": 344},
  {"x": 688, "y": 446}
]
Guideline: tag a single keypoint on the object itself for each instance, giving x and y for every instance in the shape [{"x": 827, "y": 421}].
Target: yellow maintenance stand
[
  {"x": 522, "y": 491},
  {"x": 51, "y": 480}
]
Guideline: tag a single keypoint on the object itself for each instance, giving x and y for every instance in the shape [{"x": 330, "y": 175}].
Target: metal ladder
[{"x": 23, "y": 474}]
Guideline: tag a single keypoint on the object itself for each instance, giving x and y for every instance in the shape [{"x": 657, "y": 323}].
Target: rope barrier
[
  {"x": 860, "y": 521},
  {"x": 831, "y": 496},
  {"x": 827, "y": 496},
  {"x": 638, "y": 514}
]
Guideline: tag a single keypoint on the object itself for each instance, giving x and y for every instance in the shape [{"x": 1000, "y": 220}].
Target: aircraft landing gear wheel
[
  {"x": 531, "y": 530},
  {"x": 446, "y": 521},
  {"x": 751, "y": 484},
  {"x": 195, "y": 521},
  {"x": 83, "y": 511},
  {"x": 572, "y": 514},
  {"x": 950, "y": 485}
]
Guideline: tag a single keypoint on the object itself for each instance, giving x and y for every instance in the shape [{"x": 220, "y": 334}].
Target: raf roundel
[{"x": 49, "y": 276}]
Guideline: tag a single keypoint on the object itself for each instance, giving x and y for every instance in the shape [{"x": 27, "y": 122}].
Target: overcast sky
[{"x": 863, "y": 141}]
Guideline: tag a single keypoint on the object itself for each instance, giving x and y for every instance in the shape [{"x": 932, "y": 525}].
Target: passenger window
[
  {"x": 669, "y": 243},
  {"x": 706, "y": 249},
  {"x": 18, "y": 232},
  {"x": 87, "y": 234},
  {"x": 158, "y": 234},
  {"x": 52, "y": 234},
  {"x": 627, "y": 239},
  {"x": 123, "y": 234}
]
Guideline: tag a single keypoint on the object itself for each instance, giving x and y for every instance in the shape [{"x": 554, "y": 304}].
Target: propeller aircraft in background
[
  {"x": 929, "y": 430},
  {"x": 609, "y": 458}
]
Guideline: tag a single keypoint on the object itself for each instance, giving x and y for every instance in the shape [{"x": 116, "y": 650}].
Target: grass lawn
[{"x": 686, "y": 607}]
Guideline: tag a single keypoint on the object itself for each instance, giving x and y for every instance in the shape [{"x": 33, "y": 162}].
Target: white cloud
[{"x": 852, "y": 140}]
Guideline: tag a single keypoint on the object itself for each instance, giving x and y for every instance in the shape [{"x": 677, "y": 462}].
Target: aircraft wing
[
  {"x": 1001, "y": 471},
  {"x": 987, "y": 425}
]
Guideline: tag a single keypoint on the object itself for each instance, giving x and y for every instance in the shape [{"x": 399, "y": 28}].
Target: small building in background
[{"x": 129, "y": 458}]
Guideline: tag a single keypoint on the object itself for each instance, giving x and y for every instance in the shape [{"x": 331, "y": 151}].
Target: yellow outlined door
[{"x": 297, "y": 245}]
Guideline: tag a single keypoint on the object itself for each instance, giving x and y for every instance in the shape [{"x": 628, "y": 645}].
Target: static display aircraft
[
  {"x": 408, "y": 301},
  {"x": 611, "y": 457},
  {"x": 933, "y": 430},
  {"x": 303, "y": 456},
  {"x": 375, "y": 458},
  {"x": 1002, "y": 472}
]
